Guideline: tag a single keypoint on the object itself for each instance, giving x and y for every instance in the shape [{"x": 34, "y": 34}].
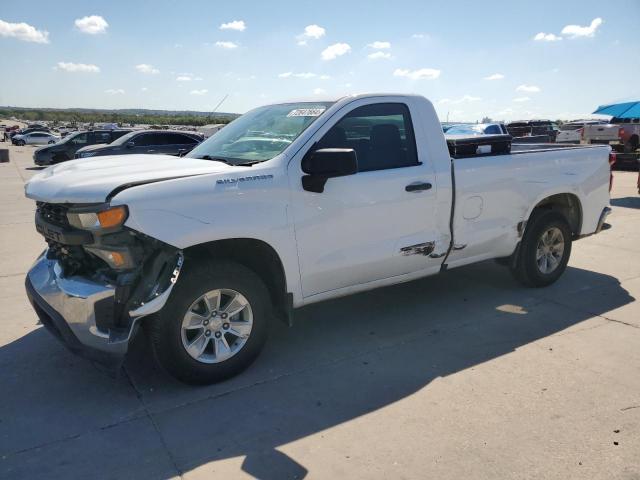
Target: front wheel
[
  {"x": 214, "y": 324},
  {"x": 544, "y": 251},
  {"x": 20, "y": 143}
]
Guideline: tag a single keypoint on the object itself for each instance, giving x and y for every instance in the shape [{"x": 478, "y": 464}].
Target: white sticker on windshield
[{"x": 306, "y": 112}]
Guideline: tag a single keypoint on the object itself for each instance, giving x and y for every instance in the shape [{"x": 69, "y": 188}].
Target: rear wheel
[
  {"x": 214, "y": 324},
  {"x": 20, "y": 143},
  {"x": 544, "y": 251}
]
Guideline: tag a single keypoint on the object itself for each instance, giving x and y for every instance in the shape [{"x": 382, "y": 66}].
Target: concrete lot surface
[{"x": 466, "y": 375}]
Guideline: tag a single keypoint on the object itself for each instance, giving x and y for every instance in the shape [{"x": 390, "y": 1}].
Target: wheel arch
[
  {"x": 568, "y": 204},
  {"x": 258, "y": 256}
]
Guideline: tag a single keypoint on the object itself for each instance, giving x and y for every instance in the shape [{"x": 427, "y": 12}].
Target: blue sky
[{"x": 177, "y": 55}]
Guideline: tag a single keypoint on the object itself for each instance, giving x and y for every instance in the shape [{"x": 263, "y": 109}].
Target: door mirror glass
[
  {"x": 130, "y": 144},
  {"x": 326, "y": 163}
]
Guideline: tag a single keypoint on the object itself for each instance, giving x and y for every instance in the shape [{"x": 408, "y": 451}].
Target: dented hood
[{"x": 91, "y": 180}]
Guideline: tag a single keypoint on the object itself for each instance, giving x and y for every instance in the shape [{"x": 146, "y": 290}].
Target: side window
[
  {"x": 185, "y": 140},
  {"x": 178, "y": 139},
  {"x": 81, "y": 139},
  {"x": 148, "y": 139},
  {"x": 492, "y": 130},
  {"x": 101, "y": 137},
  {"x": 381, "y": 134}
]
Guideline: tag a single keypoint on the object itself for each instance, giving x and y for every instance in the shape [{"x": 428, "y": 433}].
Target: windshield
[
  {"x": 462, "y": 130},
  {"x": 260, "y": 134}
]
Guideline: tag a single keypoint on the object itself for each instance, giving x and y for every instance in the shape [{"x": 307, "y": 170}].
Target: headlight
[
  {"x": 101, "y": 220},
  {"x": 87, "y": 154}
]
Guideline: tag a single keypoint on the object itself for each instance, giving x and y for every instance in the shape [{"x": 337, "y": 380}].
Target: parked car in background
[
  {"x": 532, "y": 131},
  {"x": 34, "y": 138},
  {"x": 623, "y": 134},
  {"x": 603, "y": 133},
  {"x": 37, "y": 128},
  {"x": 477, "y": 129},
  {"x": 167, "y": 142},
  {"x": 628, "y": 133},
  {"x": 571, "y": 132},
  {"x": 66, "y": 148}
]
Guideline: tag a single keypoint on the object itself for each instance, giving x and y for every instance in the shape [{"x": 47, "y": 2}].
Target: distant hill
[
  {"x": 125, "y": 116},
  {"x": 127, "y": 111}
]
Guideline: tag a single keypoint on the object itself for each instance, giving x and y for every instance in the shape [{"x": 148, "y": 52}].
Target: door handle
[{"x": 417, "y": 186}]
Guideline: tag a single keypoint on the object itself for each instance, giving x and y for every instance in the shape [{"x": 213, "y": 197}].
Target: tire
[
  {"x": 529, "y": 268},
  {"x": 20, "y": 143},
  {"x": 169, "y": 338}
]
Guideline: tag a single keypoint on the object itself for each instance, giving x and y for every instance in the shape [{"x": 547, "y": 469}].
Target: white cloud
[
  {"x": 420, "y": 74},
  {"x": 495, "y": 76},
  {"x": 575, "y": 31},
  {"x": 311, "y": 31},
  {"x": 144, "y": 89},
  {"x": 305, "y": 75},
  {"x": 325, "y": 77},
  {"x": 319, "y": 91},
  {"x": 23, "y": 31},
  {"x": 235, "y": 25},
  {"x": 379, "y": 45},
  {"x": 458, "y": 101},
  {"x": 92, "y": 24},
  {"x": 521, "y": 99},
  {"x": 185, "y": 77},
  {"x": 546, "y": 37},
  {"x": 77, "y": 67},
  {"x": 148, "y": 69},
  {"x": 527, "y": 88},
  {"x": 335, "y": 50},
  {"x": 418, "y": 35},
  {"x": 378, "y": 55},
  {"x": 199, "y": 92},
  {"x": 227, "y": 45},
  {"x": 114, "y": 91}
]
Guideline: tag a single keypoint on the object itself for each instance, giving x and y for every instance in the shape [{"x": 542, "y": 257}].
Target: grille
[{"x": 53, "y": 213}]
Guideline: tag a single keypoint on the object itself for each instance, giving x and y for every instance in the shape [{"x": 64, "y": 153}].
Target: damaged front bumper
[{"x": 80, "y": 311}]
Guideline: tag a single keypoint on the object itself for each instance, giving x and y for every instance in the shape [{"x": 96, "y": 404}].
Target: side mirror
[
  {"x": 130, "y": 144},
  {"x": 325, "y": 163}
]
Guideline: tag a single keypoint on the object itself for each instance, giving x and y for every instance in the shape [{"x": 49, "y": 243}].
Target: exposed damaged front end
[{"x": 98, "y": 278}]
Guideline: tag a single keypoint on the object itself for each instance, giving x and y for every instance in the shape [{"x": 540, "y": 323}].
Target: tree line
[{"x": 70, "y": 116}]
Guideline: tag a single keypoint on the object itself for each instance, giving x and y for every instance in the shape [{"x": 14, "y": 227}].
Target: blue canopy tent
[{"x": 620, "y": 110}]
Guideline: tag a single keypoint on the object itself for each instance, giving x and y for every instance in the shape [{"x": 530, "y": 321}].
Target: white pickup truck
[{"x": 288, "y": 205}]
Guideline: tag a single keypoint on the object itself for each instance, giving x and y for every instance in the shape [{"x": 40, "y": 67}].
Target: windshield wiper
[
  {"x": 215, "y": 159},
  {"x": 248, "y": 164}
]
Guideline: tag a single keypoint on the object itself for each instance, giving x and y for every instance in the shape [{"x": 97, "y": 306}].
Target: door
[
  {"x": 31, "y": 139},
  {"x": 376, "y": 224}
]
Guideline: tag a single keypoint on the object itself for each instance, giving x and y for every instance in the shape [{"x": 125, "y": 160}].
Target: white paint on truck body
[{"x": 349, "y": 237}]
